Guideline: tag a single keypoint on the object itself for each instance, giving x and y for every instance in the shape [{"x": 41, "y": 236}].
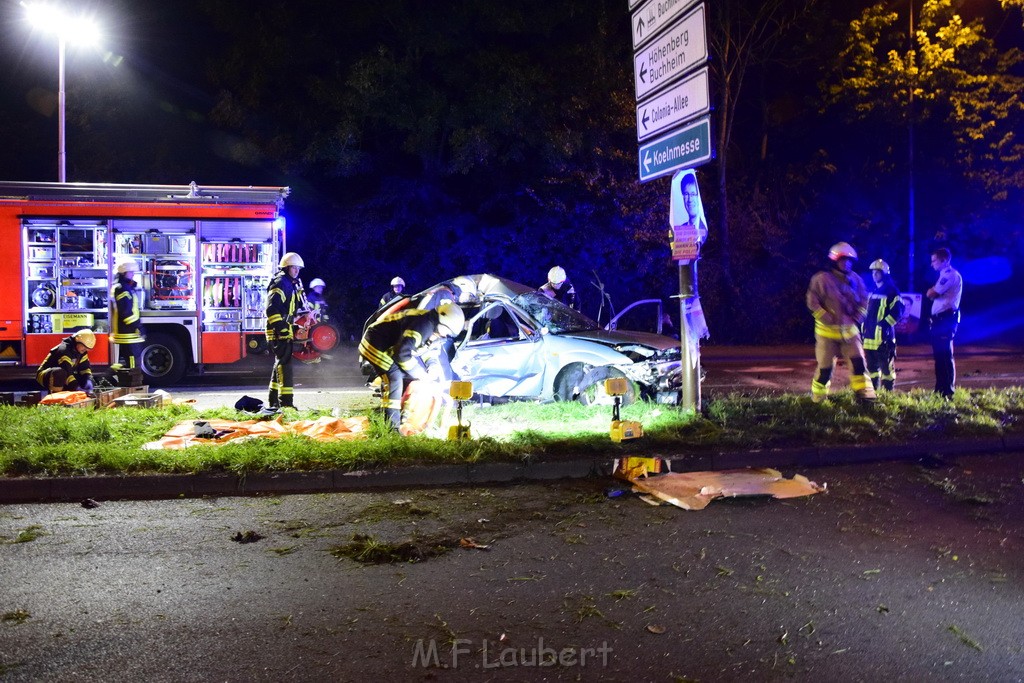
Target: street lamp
[{"x": 69, "y": 28}]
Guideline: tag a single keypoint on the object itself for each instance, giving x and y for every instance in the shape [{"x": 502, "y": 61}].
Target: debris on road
[
  {"x": 694, "y": 490},
  {"x": 246, "y": 537},
  {"x": 183, "y": 434}
]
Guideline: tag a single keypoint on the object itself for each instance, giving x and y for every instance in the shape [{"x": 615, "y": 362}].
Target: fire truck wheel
[{"x": 163, "y": 361}]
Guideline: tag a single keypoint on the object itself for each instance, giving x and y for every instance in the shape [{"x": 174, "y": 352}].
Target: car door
[{"x": 509, "y": 364}]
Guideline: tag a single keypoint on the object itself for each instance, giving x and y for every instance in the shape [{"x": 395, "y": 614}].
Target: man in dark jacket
[
  {"x": 126, "y": 320},
  {"x": 66, "y": 367},
  {"x": 390, "y": 344},
  {"x": 284, "y": 299},
  {"x": 559, "y": 287},
  {"x": 878, "y": 331}
]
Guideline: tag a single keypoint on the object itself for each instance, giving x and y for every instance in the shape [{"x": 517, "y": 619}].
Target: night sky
[{"x": 251, "y": 94}]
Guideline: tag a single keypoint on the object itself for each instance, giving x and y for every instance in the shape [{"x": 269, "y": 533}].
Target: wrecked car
[{"x": 519, "y": 344}]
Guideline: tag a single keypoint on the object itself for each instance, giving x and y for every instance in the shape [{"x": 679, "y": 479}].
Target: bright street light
[{"x": 68, "y": 28}]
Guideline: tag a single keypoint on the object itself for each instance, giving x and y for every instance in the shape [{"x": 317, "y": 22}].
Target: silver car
[{"x": 519, "y": 344}]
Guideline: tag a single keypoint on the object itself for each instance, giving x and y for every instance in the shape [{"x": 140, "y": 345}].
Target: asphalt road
[
  {"x": 337, "y": 382},
  {"x": 897, "y": 572}
]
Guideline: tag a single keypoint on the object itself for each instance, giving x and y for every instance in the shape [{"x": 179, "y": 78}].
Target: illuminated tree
[{"x": 952, "y": 78}]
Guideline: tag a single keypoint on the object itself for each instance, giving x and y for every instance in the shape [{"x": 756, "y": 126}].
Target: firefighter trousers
[
  {"x": 882, "y": 365},
  {"x": 825, "y": 353},
  {"x": 282, "y": 382}
]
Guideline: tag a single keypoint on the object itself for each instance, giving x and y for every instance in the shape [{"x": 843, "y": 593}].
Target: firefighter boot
[{"x": 272, "y": 400}]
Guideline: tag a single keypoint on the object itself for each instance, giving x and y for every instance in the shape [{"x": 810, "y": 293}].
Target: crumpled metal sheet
[
  {"x": 326, "y": 428},
  {"x": 695, "y": 490}
]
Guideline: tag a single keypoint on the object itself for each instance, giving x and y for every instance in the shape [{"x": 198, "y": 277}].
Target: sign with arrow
[
  {"x": 687, "y": 147},
  {"x": 671, "y": 55},
  {"x": 686, "y": 100},
  {"x": 654, "y": 16}
]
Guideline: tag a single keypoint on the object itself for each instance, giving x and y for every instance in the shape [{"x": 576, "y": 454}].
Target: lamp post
[{"x": 78, "y": 29}]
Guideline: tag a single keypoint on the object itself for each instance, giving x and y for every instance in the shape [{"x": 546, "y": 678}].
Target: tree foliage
[{"x": 951, "y": 77}]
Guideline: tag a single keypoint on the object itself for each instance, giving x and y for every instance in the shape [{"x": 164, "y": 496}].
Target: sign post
[{"x": 674, "y": 128}]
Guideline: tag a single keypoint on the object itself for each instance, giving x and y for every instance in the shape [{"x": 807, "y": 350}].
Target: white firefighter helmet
[
  {"x": 451, "y": 318},
  {"x": 879, "y": 264},
  {"x": 842, "y": 250},
  {"x": 465, "y": 289},
  {"x": 317, "y": 282},
  {"x": 291, "y": 259},
  {"x": 397, "y": 282},
  {"x": 85, "y": 337},
  {"x": 128, "y": 265},
  {"x": 556, "y": 275}
]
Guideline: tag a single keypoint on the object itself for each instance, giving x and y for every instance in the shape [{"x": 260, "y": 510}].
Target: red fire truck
[{"x": 205, "y": 257}]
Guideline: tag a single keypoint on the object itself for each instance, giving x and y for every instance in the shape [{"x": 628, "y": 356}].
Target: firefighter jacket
[
  {"x": 838, "y": 301},
  {"x": 564, "y": 292},
  {"x": 396, "y": 338},
  {"x": 284, "y": 299},
  {"x": 885, "y": 308},
  {"x": 65, "y": 355},
  {"x": 126, "y": 323}
]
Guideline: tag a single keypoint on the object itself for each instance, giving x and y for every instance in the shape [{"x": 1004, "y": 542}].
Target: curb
[{"x": 168, "y": 486}]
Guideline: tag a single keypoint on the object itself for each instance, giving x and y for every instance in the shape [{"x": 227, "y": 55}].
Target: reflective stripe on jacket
[
  {"x": 65, "y": 355},
  {"x": 126, "y": 322},
  {"x": 885, "y": 308},
  {"x": 284, "y": 298},
  {"x": 838, "y": 301}
]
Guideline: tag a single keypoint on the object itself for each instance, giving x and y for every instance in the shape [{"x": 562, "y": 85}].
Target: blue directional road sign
[{"x": 687, "y": 147}]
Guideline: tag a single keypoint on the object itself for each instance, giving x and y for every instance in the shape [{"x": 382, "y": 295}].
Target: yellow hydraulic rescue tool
[
  {"x": 461, "y": 392},
  {"x": 621, "y": 429}
]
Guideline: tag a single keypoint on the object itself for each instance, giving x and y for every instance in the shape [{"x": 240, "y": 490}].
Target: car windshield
[{"x": 554, "y": 315}]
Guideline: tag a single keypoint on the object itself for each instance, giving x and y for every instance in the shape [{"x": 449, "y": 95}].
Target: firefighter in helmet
[
  {"x": 285, "y": 299},
  {"x": 838, "y": 300},
  {"x": 66, "y": 367},
  {"x": 397, "y": 285},
  {"x": 560, "y": 287},
  {"x": 390, "y": 345},
  {"x": 315, "y": 295},
  {"x": 885, "y": 308},
  {"x": 126, "y": 331}
]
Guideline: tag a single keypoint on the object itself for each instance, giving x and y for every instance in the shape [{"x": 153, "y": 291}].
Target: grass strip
[{"x": 60, "y": 441}]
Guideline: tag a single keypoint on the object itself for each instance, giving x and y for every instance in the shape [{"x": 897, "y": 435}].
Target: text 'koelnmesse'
[{"x": 674, "y": 152}]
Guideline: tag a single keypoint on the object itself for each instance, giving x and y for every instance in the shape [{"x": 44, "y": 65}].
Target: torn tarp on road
[
  {"x": 325, "y": 429},
  {"x": 694, "y": 490}
]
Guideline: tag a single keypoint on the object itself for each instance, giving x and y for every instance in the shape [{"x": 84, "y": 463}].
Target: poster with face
[{"x": 689, "y": 227}]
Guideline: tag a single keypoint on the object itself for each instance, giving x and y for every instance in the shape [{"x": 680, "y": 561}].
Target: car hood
[{"x": 614, "y": 337}]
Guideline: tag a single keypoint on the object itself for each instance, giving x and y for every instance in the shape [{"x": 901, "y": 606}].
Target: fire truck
[{"x": 205, "y": 255}]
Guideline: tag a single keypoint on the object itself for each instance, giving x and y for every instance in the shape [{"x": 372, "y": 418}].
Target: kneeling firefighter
[
  {"x": 66, "y": 367},
  {"x": 390, "y": 344}
]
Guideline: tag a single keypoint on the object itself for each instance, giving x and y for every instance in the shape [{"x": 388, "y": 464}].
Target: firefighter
[
  {"x": 315, "y": 296},
  {"x": 397, "y": 285},
  {"x": 285, "y": 299},
  {"x": 560, "y": 287},
  {"x": 885, "y": 308},
  {"x": 838, "y": 299},
  {"x": 66, "y": 367},
  {"x": 390, "y": 343},
  {"x": 126, "y": 330}
]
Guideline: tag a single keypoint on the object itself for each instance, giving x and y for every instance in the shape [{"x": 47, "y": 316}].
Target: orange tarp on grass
[{"x": 326, "y": 429}]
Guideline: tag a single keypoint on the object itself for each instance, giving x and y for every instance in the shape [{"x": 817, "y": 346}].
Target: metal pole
[
  {"x": 910, "y": 160},
  {"x": 61, "y": 156},
  {"x": 689, "y": 361}
]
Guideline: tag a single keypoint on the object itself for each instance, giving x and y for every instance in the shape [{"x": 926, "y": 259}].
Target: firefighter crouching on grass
[
  {"x": 838, "y": 299},
  {"x": 126, "y": 323},
  {"x": 66, "y": 367},
  {"x": 885, "y": 308},
  {"x": 390, "y": 343},
  {"x": 284, "y": 299}
]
